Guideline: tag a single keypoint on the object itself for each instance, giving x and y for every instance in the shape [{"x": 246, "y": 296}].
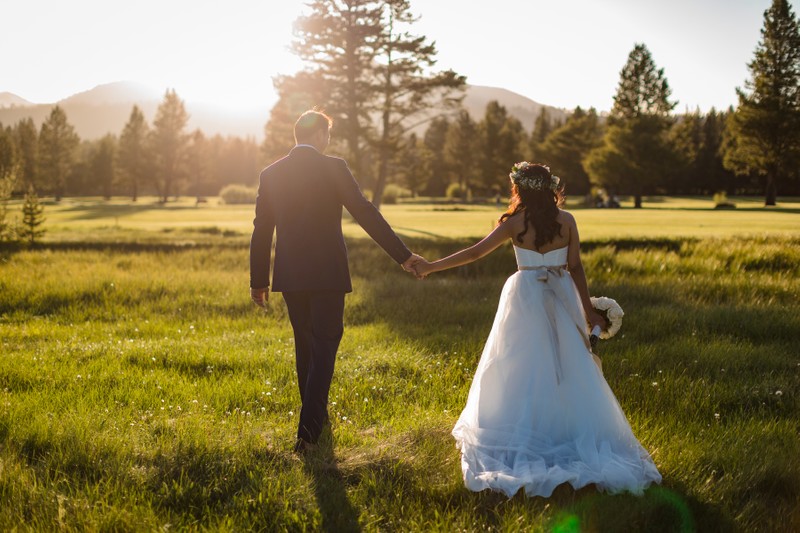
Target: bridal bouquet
[{"x": 611, "y": 311}]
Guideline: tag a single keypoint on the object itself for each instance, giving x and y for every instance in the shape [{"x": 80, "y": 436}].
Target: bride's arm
[
  {"x": 488, "y": 244},
  {"x": 575, "y": 267}
]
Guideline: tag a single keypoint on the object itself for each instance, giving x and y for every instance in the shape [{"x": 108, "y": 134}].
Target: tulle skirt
[{"x": 539, "y": 411}]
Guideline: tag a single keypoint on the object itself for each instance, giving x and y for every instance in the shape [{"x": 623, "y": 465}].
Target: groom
[{"x": 301, "y": 197}]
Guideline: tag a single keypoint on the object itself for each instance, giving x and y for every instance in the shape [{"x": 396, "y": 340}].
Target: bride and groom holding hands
[{"x": 539, "y": 411}]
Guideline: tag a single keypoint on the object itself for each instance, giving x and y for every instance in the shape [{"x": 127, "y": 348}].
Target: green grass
[
  {"x": 140, "y": 389},
  {"x": 662, "y": 217}
]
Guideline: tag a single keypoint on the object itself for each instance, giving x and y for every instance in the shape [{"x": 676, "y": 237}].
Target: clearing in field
[{"x": 141, "y": 390}]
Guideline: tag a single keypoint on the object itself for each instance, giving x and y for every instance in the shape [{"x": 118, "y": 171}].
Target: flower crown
[{"x": 534, "y": 183}]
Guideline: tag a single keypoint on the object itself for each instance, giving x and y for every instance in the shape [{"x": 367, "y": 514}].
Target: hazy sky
[{"x": 558, "y": 52}]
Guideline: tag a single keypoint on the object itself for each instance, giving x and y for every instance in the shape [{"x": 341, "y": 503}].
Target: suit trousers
[{"x": 317, "y": 320}]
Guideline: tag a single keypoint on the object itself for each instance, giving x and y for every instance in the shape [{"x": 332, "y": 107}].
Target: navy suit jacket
[{"x": 300, "y": 198}]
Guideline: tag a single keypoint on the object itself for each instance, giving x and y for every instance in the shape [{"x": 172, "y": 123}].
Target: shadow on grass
[
  {"x": 7, "y": 249},
  {"x": 204, "y": 367},
  {"x": 659, "y": 509},
  {"x": 97, "y": 211},
  {"x": 195, "y": 485},
  {"x": 776, "y": 210},
  {"x": 401, "y": 229},
  {"x": 662, "y": 244},
  {"x": 393, "y": 483},
  {"x": 330, "y": 488}
]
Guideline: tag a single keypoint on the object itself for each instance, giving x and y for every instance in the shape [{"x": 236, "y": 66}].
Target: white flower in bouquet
[{"x": 611, "y": 311}]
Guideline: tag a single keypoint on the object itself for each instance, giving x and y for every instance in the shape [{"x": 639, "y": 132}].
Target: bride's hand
[
  {"x": 596, "y": 319},
  {"x": 422, "y": 269}
]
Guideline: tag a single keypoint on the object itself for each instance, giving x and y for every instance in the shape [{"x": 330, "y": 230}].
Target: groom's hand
[
  {"x": 260, "y": 296},
  {"x": 408, "y": 264}
]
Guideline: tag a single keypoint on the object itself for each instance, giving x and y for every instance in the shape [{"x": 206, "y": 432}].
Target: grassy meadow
[
  {"x": 146, "y": 220},
  {"x": 141, "y": 390}
]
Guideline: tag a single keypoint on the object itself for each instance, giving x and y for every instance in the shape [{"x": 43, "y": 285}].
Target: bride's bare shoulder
[
  {"x": 510, "y": 219},
  {"x": 565, "y": 217},
  {"x": 512, "y": 224}
]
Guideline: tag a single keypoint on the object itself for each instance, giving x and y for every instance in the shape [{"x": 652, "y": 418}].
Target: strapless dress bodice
[{"x": 532, "y": 259}]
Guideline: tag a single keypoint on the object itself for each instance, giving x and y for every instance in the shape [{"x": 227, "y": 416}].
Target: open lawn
[
  {"x": 140, "y": 389},
  {"x": 82, "y": 219}
]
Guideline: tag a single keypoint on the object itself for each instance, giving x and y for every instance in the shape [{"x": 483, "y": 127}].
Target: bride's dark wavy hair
[{"x": 540, "y": 207}]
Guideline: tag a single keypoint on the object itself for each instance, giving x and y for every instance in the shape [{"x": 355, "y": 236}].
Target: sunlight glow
[
  {"x": 223, "y": 54},
  {"x": 558, "y": 53}
]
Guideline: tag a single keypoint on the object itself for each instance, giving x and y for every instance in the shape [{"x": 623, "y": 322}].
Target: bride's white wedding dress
[{"x": 539, "y": 412}]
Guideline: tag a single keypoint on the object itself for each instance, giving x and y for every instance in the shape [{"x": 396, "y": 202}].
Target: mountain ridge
[
  {"x": 8, "y": 99},
  {"x": 106, "y": 108}
]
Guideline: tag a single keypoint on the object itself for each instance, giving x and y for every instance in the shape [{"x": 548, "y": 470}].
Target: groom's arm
[
  {"x": 368, "y": 216},
  {"x": 261, "y": 240}
]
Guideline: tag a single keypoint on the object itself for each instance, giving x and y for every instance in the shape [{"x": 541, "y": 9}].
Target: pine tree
[
  {"x": 541, "y": 129},
  {"x": 686, "y": 136},
  {"x": 8, "y": 177},
  {"x": 411, "y": 164},
  {"x": 337, "y": 39},
  {"x": 6, "y": 188},
  {"x": 643, "y": 90},
  {"x": 168, "y": 143},
  {"x": 434, "y": 142},
  {"x": 636, "y": 155},
  {"x": 513, "y": 143},
  {"x": 9, "y": 155},
  {"x": 500, "y": 145},
  {"x": 405, "y": 87},
  {"x": 81, "y": 177},
  {"x": 460, "y": 151},
  {"x": 27, "y": 141},
  {"x": 198, "y": 164},
  {"x": 32, "y": 217},
  {"x": 494, "y": 118},
  {"x": 133, "y": 158},
  {"x": 57, "y": 144},
  {"x": 566, "y": 147},
  {"x": 710, "y": 160},
  {"x": 765, "y": 128},
  {"x": 697, "y": 140},
  {"x": 103, "y": 166},
  {"x": 371, "y": 66}
]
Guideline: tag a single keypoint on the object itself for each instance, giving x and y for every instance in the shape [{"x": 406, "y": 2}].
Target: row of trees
[
  {"x": 645, "y": 148},
  {"x": 162, "y": 158},
  {"x": 640, "y": 148},
  {"x": 400, "y": 121},
  {"x": 687, "y": 154},
  {"x": 765, "y": 129}
]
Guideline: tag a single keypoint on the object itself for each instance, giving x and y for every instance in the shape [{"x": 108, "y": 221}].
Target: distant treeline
[
  {"x": 402, "y": 127},
  {"x": 373, "y": 75},
  {"x": 456, "y": 156},
  {"x": 159, "y": 159}
]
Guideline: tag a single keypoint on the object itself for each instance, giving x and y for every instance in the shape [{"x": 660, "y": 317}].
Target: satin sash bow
[{"x": 552, "y": 292}]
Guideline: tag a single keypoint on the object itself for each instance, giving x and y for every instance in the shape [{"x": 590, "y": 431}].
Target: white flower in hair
[{"x": 520, "y": 178}]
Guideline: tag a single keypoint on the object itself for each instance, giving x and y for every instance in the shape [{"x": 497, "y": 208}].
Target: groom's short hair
[{"x": 309, "y": 124}]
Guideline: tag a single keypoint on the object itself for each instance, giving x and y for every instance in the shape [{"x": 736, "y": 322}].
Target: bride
[{"x": 539, "y": 412}]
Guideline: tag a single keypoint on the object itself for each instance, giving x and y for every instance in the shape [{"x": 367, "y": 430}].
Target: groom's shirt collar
[{"x": 308, "y": 145}]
